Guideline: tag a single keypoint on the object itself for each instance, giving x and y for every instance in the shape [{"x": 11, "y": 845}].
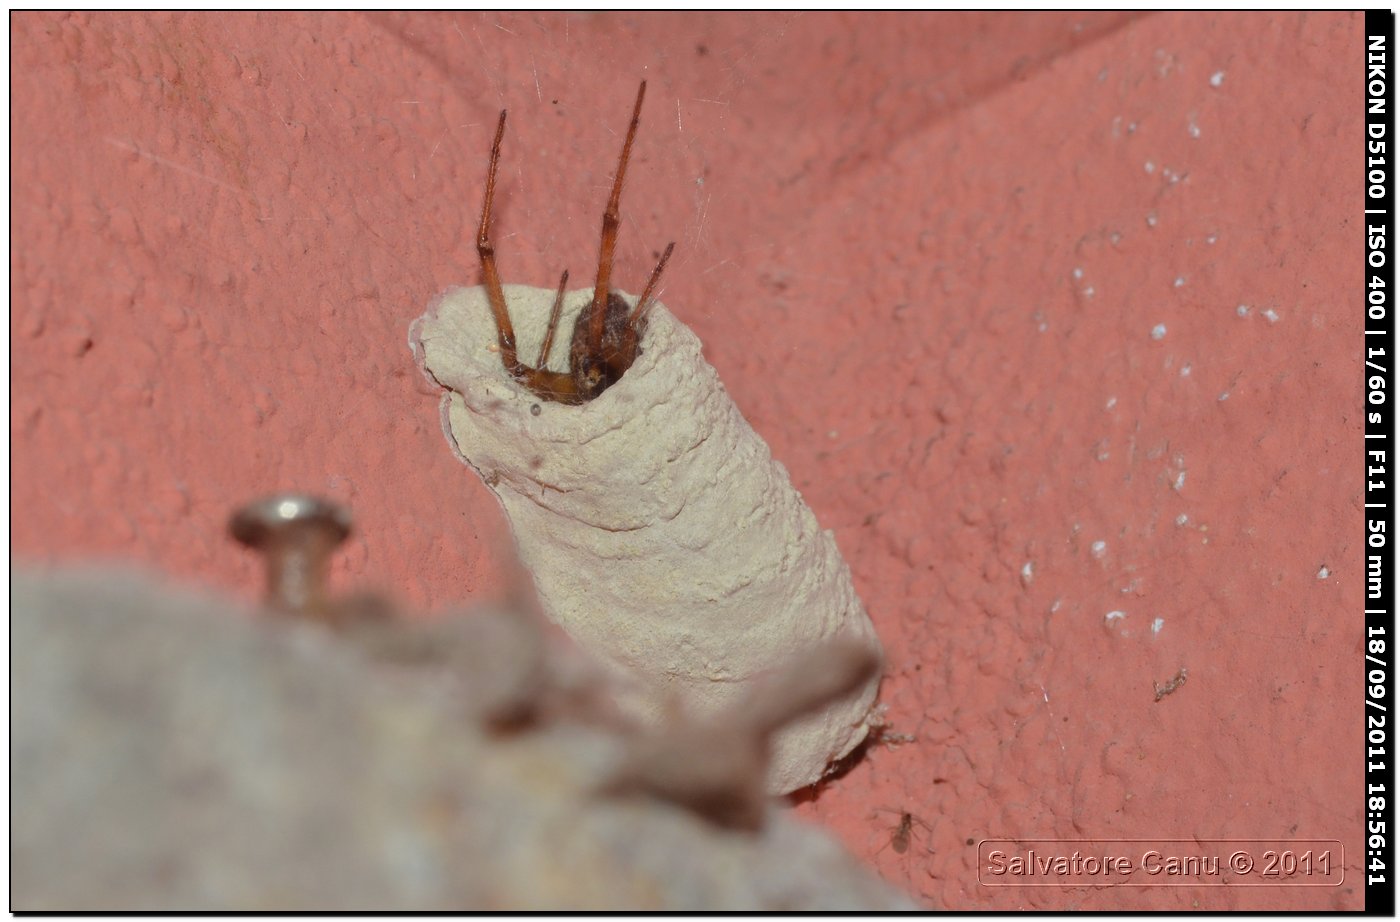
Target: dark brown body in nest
[
  {"x": 607, "y": 334},
  {"x": 621, "y": 339}
]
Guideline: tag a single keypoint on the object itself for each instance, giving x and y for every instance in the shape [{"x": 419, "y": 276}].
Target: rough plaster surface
[
  {"x": 926, "y": 255},
  {"x": 661, "y": 533}
]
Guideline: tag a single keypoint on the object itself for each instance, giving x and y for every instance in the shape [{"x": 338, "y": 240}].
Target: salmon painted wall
[{"x": 1049, "y": 316}]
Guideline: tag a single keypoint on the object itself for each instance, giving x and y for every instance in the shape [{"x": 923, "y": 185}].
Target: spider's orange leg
[
  {"x": 610, "y": 226},
  {"x": 504, "y": 331},
  {"x": 639, "y": 313},
  {"x": 621, "y": 359},
  {"x": 553, "y": 321}
]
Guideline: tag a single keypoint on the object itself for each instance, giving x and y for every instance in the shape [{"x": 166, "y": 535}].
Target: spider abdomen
[{"x": 596, "y": 372}]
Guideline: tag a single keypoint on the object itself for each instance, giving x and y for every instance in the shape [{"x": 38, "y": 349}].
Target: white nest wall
[{"x": 661, "y": 533}]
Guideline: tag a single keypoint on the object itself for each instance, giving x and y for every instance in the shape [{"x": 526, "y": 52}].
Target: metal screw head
[{"x": 296, "y": 534}]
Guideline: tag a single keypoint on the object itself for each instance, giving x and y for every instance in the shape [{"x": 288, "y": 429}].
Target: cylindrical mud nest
[{"x": 661, "y": 533}]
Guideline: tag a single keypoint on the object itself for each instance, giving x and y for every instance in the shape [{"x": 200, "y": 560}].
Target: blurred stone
[{"x": 171, "y": 751}]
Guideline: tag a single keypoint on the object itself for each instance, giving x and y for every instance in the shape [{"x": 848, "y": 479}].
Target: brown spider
[{"x": 606, "y": 334}]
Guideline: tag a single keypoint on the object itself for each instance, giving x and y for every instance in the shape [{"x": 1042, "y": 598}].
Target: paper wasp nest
[{"x": 660, "y": 532}]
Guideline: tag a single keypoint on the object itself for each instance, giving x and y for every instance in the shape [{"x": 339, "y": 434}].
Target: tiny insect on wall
[{"x": 900, "y": 835}]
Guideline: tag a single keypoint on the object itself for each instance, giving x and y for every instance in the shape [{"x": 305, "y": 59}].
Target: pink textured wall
[{"x": 926, "y": 254}]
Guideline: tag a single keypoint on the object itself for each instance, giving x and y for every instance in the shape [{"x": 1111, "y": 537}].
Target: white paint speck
[
  {"x": 1242, "y": 310},
  {"x": 1186, "y": 370},
  {"x": 1150, "y": 167},
  {"x": 1182, "y": 519},
  {"x": 1323, "y": 573},
  {"x": 1027, "y": 571},
  {"x": 1211, "y": 239},
  {"x": 1114, "y": 616},
  {"x": 1178, "y": 281},
  {"x": 1152, "y": 219},
  {"x": 1157, "y": 625},
  {"x": 1224, "y": 397},
  {"x": 1180, "y": 481},
  {"x": 1112, "y": 402},
  {"x": 1054, "y": 606},
  {"x": 1159, "y": 331},
  {"x": 1078, "y": 273},
  {"x": 1217, "y": 78},
  {"x": 1270, "y": 316},
  {"x": 1193, "y": 129},
  {"x": 1098, "y": 548},
  {"x": 1089, "y": 292}
]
